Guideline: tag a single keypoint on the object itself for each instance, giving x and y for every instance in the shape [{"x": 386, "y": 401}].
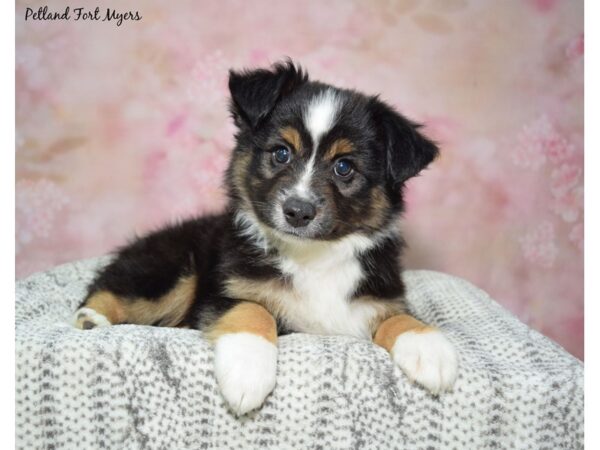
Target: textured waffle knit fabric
[{"x": 139, "y": 387}]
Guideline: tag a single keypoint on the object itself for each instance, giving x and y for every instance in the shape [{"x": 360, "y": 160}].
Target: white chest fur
[{"x": 323, "y": 278}]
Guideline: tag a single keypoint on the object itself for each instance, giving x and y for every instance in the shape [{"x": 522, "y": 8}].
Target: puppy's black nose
[{"x": 298, "y": 213}]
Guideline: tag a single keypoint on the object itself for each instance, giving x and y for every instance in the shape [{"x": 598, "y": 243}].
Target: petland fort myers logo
[{"x": 83, "y": 15}]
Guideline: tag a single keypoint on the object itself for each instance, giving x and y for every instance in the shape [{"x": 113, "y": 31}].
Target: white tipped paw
[
  {"x": 87, "y": 318},
  {"x": 428, "y": 358},
  {"x": 245, "y": 367}
]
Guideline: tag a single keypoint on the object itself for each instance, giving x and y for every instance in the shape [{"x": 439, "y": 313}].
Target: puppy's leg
[
  {"x": 422, "y": 352},
  {"x": 103, "y": 308},
  {"x": 245, "y": 340},
  {"x": 150, "y": 282}
]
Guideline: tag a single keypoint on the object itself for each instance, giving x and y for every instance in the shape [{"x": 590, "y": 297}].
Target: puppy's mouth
[
  {"x": 300, "y": 222},
  {"x": 308, "y": 232}
]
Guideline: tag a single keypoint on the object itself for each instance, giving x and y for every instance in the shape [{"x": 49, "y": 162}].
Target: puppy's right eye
[
  {"x": 282, "y": 155},
  {"x": 343, "y": 168}
]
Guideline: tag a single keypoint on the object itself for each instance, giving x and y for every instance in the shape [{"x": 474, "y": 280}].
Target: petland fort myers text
[{"x": 83, "y": 14}]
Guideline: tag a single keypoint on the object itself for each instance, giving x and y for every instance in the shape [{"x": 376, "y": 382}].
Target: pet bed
[{"x": 140, "y": 387}]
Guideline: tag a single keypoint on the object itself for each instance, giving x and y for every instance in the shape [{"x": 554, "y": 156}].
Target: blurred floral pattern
[{"x": 123, "y": 128}]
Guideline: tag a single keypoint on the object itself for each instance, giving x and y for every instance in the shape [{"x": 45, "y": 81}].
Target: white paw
[
  {"x": 428, "y": 358},
  {"x": 245, "y": 367},
  {"x": 87, "y": 318}
]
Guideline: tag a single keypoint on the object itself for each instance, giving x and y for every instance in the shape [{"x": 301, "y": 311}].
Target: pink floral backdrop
[{"x": 123, "y": 128}]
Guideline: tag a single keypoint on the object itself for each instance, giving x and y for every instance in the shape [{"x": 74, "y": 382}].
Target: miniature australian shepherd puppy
[{"x": 307, "y": 243}]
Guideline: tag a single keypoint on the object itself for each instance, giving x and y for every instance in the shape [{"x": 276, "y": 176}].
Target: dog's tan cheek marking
[
  {"x": 393, "y": 327},
  {"x": 169, "y": 310},
  {"x": 379, "y": 206},
  {"x": 292, "y": 136},
  {"x": 338, "y": 148},
  {"x": 240, "y": 170},
  {"x": 246, "y": 317},
  {"x": 242, "y": 180}
]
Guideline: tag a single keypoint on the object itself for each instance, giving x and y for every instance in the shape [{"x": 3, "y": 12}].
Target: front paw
[
  {"x": 245, "y": 367},
  {"x": 428, "y": 358}
]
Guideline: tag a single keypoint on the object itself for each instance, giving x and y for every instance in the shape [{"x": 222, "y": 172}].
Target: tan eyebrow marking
[
  {"x": 340, "y": 147},
  {"x": 291, "y": 135}
]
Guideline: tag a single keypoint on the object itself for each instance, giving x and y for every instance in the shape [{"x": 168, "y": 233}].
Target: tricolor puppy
[{"x": 307, "y": 243}]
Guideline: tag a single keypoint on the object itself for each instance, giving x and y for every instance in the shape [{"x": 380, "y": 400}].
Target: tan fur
[
  {"x": 338, "y": 148},
  {"x": 384, "y": 310},
  {"x": 292, "y": 136},
  {"x": 390, "y": 329},
  {"x": 379, "y": 206},
  {"x": 109, "y": 305},
  {"x": 240, "y": 169},
  {"x": 168, "y": 310},
  {"x": 274, "y": 295},
  {"x": 246, "y": 317},
  {"x": 267, "y": 293}
]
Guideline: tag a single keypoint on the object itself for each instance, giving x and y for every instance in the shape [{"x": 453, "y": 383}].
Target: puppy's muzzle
[{"x": 298, "y": 213}]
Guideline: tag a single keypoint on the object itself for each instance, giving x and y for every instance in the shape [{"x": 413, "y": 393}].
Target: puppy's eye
[
  {"x": 343, "y": 168},
  {"x": 282, "y": 155}
]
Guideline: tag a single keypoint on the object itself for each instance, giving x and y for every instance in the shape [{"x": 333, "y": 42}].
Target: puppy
[{"x": 307, "y": 243}]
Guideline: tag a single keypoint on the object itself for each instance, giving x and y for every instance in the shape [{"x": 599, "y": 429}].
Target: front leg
[
  {"x": 245, "y": 340},
  {"x": 422, "y": 352}
]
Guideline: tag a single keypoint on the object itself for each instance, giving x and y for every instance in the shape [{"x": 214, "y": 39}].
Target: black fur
[
  {"x": 388, "y": 150},
  {"x": 407, "y": 151},
  {"x": 255, "y": 93}
]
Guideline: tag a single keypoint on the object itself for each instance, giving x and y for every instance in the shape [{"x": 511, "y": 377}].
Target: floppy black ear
[
  {"x": 254, "y": 93},
  {"x": 407, "y": 150}
]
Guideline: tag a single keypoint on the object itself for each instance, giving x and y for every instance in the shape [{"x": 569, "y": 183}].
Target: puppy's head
[{"x": 315, "y": 161}]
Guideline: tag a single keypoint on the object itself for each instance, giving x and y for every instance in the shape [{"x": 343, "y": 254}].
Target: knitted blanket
[{"x": 140, "y": 387}]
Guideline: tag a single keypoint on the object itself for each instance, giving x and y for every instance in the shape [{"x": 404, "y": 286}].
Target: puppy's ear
[
  {"x": 407, "y": 150},
  {"x": 255, "y": 93}
]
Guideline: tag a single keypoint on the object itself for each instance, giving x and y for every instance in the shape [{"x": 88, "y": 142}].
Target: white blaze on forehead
[
  {"x": 319, "y": 118},
  {"x": 320, "y": 114}
]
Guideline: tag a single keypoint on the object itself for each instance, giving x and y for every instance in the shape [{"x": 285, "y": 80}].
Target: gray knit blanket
[{"x": 139, "y": 387}]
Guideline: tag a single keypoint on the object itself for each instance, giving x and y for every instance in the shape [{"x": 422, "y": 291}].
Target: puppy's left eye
[
  {"x": 282, "y": 155},
  {"x": 343, "y": 168}
]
